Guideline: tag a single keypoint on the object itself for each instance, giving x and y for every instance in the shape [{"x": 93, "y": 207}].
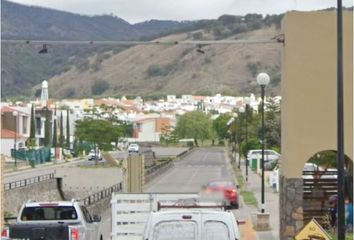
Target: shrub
[
  {"x": 99, "y": 87},
  {"x": 156, "y": 70},
  {"x": 253, "y": 68},
  {"x": 69, "y": 92}
]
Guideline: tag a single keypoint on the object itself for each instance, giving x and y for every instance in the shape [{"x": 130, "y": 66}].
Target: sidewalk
[
  {"x": 271, "y": 200},
  {"x": 12, "y": 170}
]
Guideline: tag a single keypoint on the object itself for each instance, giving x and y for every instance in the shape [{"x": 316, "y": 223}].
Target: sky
[{"x": 141, "y": 10}]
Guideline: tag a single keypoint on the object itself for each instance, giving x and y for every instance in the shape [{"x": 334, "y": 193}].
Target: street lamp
[
  {"x": 340, "y": 125},
  {"x": 241, "y": 110},
  {"x": 15, "y": 113},
  {"x": 247, "y": 101},
  {"x": 262, "y": 80}
]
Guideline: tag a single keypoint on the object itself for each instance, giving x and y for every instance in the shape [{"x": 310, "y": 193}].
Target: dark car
[{"x": 227, "y": 188}]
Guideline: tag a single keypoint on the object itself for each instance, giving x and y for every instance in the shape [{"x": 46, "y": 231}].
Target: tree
[
  {"x": 55, "y": 138},
  {"x": 196, "y": 125},
  {"x": 47, "y": 128},
  {"x": 98, "y": 132},
  {"x": 67, "y": 129},
  {"x": 32, "y": 139},
  {"x": 272, "y": 124},
  {"x": 220, "y": 126},
  {"x": 61, "y": 131}
]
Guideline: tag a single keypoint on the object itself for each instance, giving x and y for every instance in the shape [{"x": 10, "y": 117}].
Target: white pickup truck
[
  {"x": 63, "y": 220},
  {"x": 152, "y": 216}
]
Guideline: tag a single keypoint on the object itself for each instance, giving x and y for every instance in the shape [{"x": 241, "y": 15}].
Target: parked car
[
  {"x": 312, "y": 170},
  {"x": 133, "y": 147},
  {"x": 63, "y": 220},
  {"x": 270, "y": 165},
  {"x": 269, "y": 155},
  {"x": 93, "y": 155},
  {"x": 227, "y": 188}
]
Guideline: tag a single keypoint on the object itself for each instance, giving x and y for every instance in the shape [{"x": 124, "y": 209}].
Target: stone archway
[{"x": 320, "y": 185}]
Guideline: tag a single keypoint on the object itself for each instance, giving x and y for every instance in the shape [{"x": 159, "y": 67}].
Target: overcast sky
[{"x": 140, "y": 10}]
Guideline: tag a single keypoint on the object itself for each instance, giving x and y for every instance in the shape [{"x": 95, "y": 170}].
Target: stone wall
[
  {"x": 41, "y": 191},
  {"x": 291, "y": 210}
]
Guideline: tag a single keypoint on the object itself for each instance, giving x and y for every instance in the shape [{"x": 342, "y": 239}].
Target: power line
[{"x": 131, "y": 43}]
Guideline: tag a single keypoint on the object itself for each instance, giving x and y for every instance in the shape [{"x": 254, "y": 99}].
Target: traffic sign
[{"x": 312, "y": 231}]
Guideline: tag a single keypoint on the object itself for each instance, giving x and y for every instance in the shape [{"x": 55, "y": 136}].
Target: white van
[
  {"x": 191, "y": 224},
  {"x": 269, "y": 155}
]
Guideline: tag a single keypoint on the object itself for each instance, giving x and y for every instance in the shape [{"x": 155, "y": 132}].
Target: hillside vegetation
[
  {"x": 84, "y": 71},
  {"x": 175, "y": 69}
]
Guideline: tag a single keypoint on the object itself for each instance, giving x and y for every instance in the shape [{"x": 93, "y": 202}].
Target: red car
[{"x": 227, "y": 188}]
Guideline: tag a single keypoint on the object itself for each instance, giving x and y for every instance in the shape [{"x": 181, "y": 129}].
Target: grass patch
[
  {"x": 249, "y": 198},
  {"x": 348, "y": 236}
]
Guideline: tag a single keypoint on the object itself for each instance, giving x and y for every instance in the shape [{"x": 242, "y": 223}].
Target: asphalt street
[{"x": 192, "y": 172}]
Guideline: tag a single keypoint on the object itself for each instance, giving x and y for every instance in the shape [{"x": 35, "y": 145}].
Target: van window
[
  {"x": 175, "y": 230},
  {"x": 216, "y": 230}
]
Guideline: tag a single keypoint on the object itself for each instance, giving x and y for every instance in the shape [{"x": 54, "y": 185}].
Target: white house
[{"x": 15, "y": 128}]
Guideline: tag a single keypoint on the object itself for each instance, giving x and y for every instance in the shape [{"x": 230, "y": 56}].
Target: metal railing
[
  {"x": 28, "y": 181},
  {"x": 152, "y": 172},
  {"x": 101, "y": 195}
]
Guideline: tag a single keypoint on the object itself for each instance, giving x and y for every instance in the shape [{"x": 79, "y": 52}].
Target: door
[
  {"x": 174, "y": 226},
  {"x": 218, "y": 226},
  {"x": 90, "y": 226}
]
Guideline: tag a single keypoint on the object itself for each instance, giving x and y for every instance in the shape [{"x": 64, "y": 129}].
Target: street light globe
[
  {"x": 263, "y": 79},
  {"x": 241, "y": 109},
  {"x": 14, "y": 113}
]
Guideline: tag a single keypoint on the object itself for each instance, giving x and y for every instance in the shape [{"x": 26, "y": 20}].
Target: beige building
[{"x": 309, "y": 104}]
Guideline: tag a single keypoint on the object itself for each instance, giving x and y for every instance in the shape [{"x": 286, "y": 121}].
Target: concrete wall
[
  {"x": 88, "y": 180},
  {"x": 309, "y": 77},
  {"x": 42, "y": 191},
  {"x": 309, "y": 102},
  {"x": 77, "y": 183}
]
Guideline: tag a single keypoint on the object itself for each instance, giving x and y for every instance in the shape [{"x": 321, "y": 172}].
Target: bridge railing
[
  {"x": 93, "y": 198},
  {"x": 28, "y": 181},
  {"x": 152, "y": 172}
]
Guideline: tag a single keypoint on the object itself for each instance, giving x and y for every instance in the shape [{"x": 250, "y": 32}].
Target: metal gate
[{"x": 318, "y": 187}]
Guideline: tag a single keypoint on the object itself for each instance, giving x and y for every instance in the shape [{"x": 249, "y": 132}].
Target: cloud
[{"x": 141, "y": 10}]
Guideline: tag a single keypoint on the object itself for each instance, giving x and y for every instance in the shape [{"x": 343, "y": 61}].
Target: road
[{"x": 190, "y": 173}]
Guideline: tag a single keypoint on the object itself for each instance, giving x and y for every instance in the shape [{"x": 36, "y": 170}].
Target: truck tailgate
[
  {"x": 130, "y": 211},
  {"x": 48, "y": 231}
]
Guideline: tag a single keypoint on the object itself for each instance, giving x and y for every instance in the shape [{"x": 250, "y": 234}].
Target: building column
[{"x": 291, "y": 207}]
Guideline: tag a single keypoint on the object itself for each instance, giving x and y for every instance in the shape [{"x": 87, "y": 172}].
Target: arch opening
[{"x": 320, "y": 186}]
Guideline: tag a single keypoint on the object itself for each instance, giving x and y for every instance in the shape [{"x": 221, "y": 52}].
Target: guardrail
[
  {"x": 28, "y": 181},
  {"x": 101, "y": 195},
  {"x": 150, "y": 173}
]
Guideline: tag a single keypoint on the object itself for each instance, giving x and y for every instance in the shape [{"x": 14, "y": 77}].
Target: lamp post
[
  {"x": 340, "y": 126},
  {"x": 262, "y": 80},
  {"x": 242, "y": 110},
  {"x": 247, "y": 102},
  {"x": 15, "y": 114}
]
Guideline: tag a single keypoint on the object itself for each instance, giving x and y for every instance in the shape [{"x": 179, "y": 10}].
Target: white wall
[{"x": 7, "y": 144}]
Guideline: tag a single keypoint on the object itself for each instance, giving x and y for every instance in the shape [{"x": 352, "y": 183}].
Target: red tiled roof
[
  {"x": 6, "y": 133},
  {"x": 9, "y": 109}
]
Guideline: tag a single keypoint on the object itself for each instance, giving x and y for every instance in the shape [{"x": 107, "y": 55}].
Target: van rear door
[
  {"x": 219, "y": 226},
  {"x": 176, "y": 226}
]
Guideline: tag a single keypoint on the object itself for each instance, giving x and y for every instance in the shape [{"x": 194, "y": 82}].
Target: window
[
  {"x": 215, "y": 230},
  {"x": 86, "y": 214},
  {"x": 175, "y": 230},
  {"x": 48, "y": 213}
]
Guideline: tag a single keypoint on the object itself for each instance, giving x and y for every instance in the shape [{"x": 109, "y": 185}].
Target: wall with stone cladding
[
  {"x": 42, "y": 191},
  {"x": 291, "y": 210}
]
